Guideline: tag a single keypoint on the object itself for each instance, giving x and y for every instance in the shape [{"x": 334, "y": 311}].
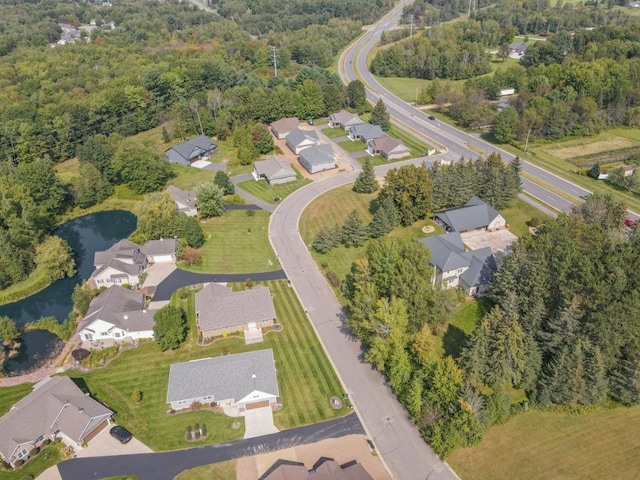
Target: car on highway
[
  {"x": 121, "y": 434},
  {"x": 431, "y": 117}
]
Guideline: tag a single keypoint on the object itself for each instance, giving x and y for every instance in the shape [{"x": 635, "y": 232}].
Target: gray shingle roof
[
  {"x": 184, "y": 197},
  {"x": 447, "y": 251},
  {"x": 475, "y": 214},
  {"x": 124, "y": 256},
  {"x": 225, "y": 377},
  {"x": 218, "y": 308},
  {"x": 344, "y": 117},
  {"x": 120, "y": 307},
  {"x": 318, "y": 155},
  {"x": 366, "y": 131},
  {"x": 56, "y": 404},
  {"x": 160, "y": 247},
  {"x": 482, "y": 265},
  {"x": 386, "y": 144},
  {"x": 297, "y": 137},
  {"x": 273, "y": 168},
  {"x": 192, "y": 148}
]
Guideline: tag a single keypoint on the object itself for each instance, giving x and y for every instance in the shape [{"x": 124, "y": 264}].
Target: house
[
  {"x": 364, "y": 132},
  {"x": 220, "y": 311},
  {"x": 160, "y": 251},
  {"x": 627, "y": 170},
  {"x": 56, "y": 408},
  {"x": 283, "y": 127},
  {"x": 389, "y": 148},
  {"x": 344, "y": 119},
  {"x": 453, "y": 266},
  {"x": 117, "y": 314},
  {"x": 194, "y": 149},
  {"x": 298, "y": 140},
  {"x": 274, "y": 170},
  {"x": 507, "y": 91},
  {"x": 123, "y": 263},
  {"x": 518, "y": 49},
  {"x": 324, "y": 468},
  {"x": 317, "y": 159},
  {"x": 185, "y": 200},
  {"x": 475, "y": 215},
  {"x": 244, "y": 380}
]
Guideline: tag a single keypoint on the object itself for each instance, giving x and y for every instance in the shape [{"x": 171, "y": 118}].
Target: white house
[
  {"x": 117, "y": 314},
  {"x": 123, "y": 263},
  {"x": 160, "y": 251}
]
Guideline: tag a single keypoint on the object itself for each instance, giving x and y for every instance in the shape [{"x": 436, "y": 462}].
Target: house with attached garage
[
  {"x": 185, "y": 200},
  {"x": 274, "y": 170},
  {"x": 387, "y": 147},
  {"x": 365, "y": 132},
  {"x": 122, "y": 263},
  {"x": 298, "y": 140},
  {"x": 455, "y": 267},
  {"x": 475, "y": 215},
  {"x": 160, "y": 251},
  {"x": 56, "y": 408},
  {"x": 317, "y": 159},
  {"x": 117, "y": 314},
  {"x": 194, "y": 149},
  {"x": 220, "y": 311},
  {"x": 283, "y": 127},
  {"x": 344, "y": 119},
  {"x": 244, "y": 380}
]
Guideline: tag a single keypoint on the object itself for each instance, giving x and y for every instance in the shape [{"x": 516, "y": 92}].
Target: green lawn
[
  {"x": 266, "y": 192},
  {"x": 11, "y": 395},
  {"x": 236, "y": 243},
  {"x": 48, "y": 457},
  {"x": 547, "y": 445},
  {"x": 217, "y": 471},
  {"x": 353, "y": 146},
  {"x": 519, "y": 215},
  {"x": 405, "y": 88},
  {"x": 418, "y": 148},
  {"x": 334, "y": 132},
  {"x": 187, "y": 178}
]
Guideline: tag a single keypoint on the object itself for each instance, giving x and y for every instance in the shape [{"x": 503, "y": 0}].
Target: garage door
[
  {"x": 251, "y": 406},
  {"x": 96, "y": 431},
  {"x": 162, "y": 258}
]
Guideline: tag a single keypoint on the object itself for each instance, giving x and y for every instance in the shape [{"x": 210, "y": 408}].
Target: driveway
[
  {"x": 104, "y": 445},
  {"x": 259, "y": 422},
  {"x": 157, "y": 272}
]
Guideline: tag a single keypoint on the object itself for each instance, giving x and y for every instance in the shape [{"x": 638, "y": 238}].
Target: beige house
[
  {"x": 185, "y": 200},
  {"x": 274, "y": 170},
  {"x": 298, "y": 140},
  {"x": 387, "y": 147},
  {"x": 283, "y": 127},
  {"x": 344, "y": 119},
  {"x": 123, "y": 263}
]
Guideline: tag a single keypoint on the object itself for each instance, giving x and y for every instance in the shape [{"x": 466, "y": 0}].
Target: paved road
[
  {"x": 181, "y": 278},
  {"x": 397, "y": 440},
  {"x": 165, "y": 466}
]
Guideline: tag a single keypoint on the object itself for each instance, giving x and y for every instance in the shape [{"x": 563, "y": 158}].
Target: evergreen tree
[
  {"x": 594, "y": 171},
  {"x": 366, "y": 181},
  {"x": 326, "y": 239},
  {"x": 92, "y": 187},
  {"x": 222, "y": 180},
  {"x": 381, "y": 224},
  {"x": 391, "y": 211},
  {"x": 356, "y": 96},
  {"x": 354, "y": 232},
  {"x": 380, "y": 116},
  {"x": 624, "y": 380},
  {"x": 560, "y": 331},
  {"x": 193, "y": 234}
]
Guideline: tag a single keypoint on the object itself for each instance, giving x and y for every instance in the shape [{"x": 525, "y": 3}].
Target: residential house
[
  {"x": 344, "y": 119},
  {"x": 298, "y": 140},
  {"x": 475, "y": 215},
  {"x": 194, "y": 149},
  {"x": 56, "y": 408},
  {"x": 454, "y": 266},
  {"x": 117, "y": 314},
  {"x": 244, "y": 380},
  {"x": 627, "y": 170},
  {"x": 220, "y": 311},
  {"x": 389, "y": 148},
  {"x": 121, "y": 264},
  {"x": 518, "y": 49},
  {"x": 185, "y": 200},
  {"x": 160, "y": 251},
  {"x": 317, "y": 159},
  {"x": 507, "y": 91},
  {"x": 324, "y": 469},
  {"x": 274, "y": 170},
  {"x": 365, "y": 132},
  {"x": 283, "y": 127}
]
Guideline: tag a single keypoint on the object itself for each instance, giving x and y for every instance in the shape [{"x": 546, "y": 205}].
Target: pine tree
[
  {"x": 391, "y": 212},
  {"x": 366, "y": 181},
  {"x": 560, "y": 331},
  {"x": 380, "y": 116},
  {"x": 327, "y": 239},
  {"x": 354, "y": 232},
  {"x": 594, "y": 171},
  {"x": 380, "y": 225}
]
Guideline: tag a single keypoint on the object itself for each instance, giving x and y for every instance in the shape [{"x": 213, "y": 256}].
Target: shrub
[
  {"x": 196, "y": 405},
  {"x": 324, "y": 264},
  {"x": 196, "y": 427},
  {"x": 534, "y": 222},
  {"x": 136, "y": 396},
  {"x": 47, "y": 441},
  {"x": 333, "y": 279},
  {"x": 18, "y": 463},
  {"x": 171, "y": 411},
  {"x": 34, "y": 451},
  {"x": 188, "y": 433},
  {"x": 203, "y": 429},
  {"x": 80, "y": 354},
  {"x": 196, "y": 433},
  {"x": 251, "y": 213},
  {"x": 248, "y": 283}
]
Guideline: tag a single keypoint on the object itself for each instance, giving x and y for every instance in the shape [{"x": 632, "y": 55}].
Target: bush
[
  {"x": 47, "y": 441},
  {"x": 136, "y": 396},
  {"x": 534, "y": 222},
  {"x": 188, "y": 433},
  {"x": 324, "y": 264},
  {"x": 19, "y": 463},
  {"x": 333, "y": 279},
  {"x": 196, "y": 405},
  {"x": 80, "y": 354},
  {"x": 248, "y": 283},
  {"x": 251, "y": 213},
  {"x": 196, "y": 434},
  {"x": 34, "y": 451},
  {"x": 203, "y": 429}
]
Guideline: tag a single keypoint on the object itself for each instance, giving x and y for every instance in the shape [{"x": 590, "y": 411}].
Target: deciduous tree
[
  {"x": 209, "y": 200},
  {"x": 170, "y": 327}
]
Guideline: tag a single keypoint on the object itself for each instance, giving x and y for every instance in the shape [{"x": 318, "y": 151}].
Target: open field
[
  {"x": 187, "y": 178},
  {"x": 266, "y": 192},
  {"x": 236, "y": 243},
  {"x": 548, "y": 445},
  {"x": 580, "y": 148},
  {"x": 217, "y": 471},
  {"x": 406, "y": 88}
]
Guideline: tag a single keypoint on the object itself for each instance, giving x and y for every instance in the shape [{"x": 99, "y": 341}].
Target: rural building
[
  {"x": 475, "y": 215},
  {"x": 117, "y": 314},
  {"x": 344, "y": 119},
  {"x": 453, "y": 266},
  {"x": 324, "y": 469},
  {"x": 298, "y": 140},
  {"x": 274, "y": 170},
  {"x": 56, "y": 408},
  {"x": 317, "y": 159},
  {"x": 194, "y": 149},
  {"x": 121, "y": 264},
  {"x": 160, "y": 251},
  {"x": 389, "y": 148},
  {"x": 627, "y": 170},
  {"x": 507, "y": 91},
  {"x": 185, "y": 200},
  {"x": 283, "y": 127},
  {"x": 246, "y": 380},
  {"x": 220, "y": 311},
  {"x": 365, "y": 132},
  {"x": 517, "y": 49}
]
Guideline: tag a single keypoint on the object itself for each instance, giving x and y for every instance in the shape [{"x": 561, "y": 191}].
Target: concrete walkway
[{"x": 51, "y": 473}]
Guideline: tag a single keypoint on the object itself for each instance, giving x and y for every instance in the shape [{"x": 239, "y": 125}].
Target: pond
[{"x": 85, "y": 235}]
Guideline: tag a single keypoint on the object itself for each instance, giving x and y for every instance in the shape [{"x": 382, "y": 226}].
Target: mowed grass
[
  {"x": 266, "y": 192},
  {"x": 353, "y": 146},
  {"x": 519, "y": 215},
  {"x": 48, "y": 457},
  {"x": 418, "y": 148},
  {"x": 405, "y": 88},
  {"x": 10, "y": 395},
  {"x": 550, "y": 445},
  {"x": 236, "y": 243},
  {"x": 187, "y": 178},
  {"x": 334, "y": 132},
  {"x": 217, "y": 471}
]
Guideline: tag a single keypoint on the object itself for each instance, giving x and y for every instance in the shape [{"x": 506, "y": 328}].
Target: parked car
[
  {"x": 121, "y": 434},
  {"x": 628, "y": 222},
  {"x": 431, "y": 117}
]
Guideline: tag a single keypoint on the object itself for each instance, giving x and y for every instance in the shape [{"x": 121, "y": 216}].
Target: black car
[
  {"x": 121, "y": 434},
  {"x": 431, "y": 117}
]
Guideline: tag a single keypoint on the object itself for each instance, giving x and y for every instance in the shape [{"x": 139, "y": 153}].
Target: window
[
  {"x": 88, "y": 336},
  {"x": 99, "y": 281},
  {"x": 117, "y": 334},
  {"x": 22, "y": 454},
  {"x": 104, "y": 334},
  {"x": 40, "y": 438}
]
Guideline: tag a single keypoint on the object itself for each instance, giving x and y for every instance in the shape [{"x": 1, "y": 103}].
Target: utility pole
[
  {"x": 526, "y": 144},
  {"x": 411, "y": 31},
  {"x": 275, "y": 62}
]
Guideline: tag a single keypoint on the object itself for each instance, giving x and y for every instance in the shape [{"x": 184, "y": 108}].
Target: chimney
[{"x": 126, "y": 317}]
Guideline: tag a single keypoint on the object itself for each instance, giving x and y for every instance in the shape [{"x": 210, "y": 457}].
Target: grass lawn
[
  {"x": 266, "y": 192},
  {"x": 187, "y": 178},
  {"x": 11, "y": 395},
  {"x": 353, "y": 146},
  {"x": 48, "y": 457},
  {"x": 218, "y": 471},
  {"x": 418, "y": 148},
  {"x": 519, "y": 214},
  {"x": 549, "y": 445},
  {"x": 334, "y": 132},
  {"x": 405, "y": 88},
  {"x": 236, "y": 243}
]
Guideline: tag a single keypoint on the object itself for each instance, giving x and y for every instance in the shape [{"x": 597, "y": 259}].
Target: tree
[
  {"x": 327, "y": 239},
  {"x": 193, "y": 234},
  {"x": 594, "y": 171},
  {"x": 504, "y": 127},
  {"x": 410, "y": 188},
  {"x": 9, "y": 333},
  {"x": 99, "y": 151},
  {"x": 263, "y": 143},
  {"x": 170, "y": 327},
  {"x": 366, "y": 181},
  {"x": 308, "y": 100},
  {"x": 222, "y": 180},
  {"x": 209, "y": 200},
  {"x": 81, "y": 297},
  {"x": 356, "y": 96},
  {"x": 503, "y": 51},
  {"x": 601, "y": 210},
  {"x": 619, "y": 178},
  {"x": 380, "y": 116},
  {"x": 381, "y": 223},
  {"x": 158, "y": 217},
  {"x": 140, "y": 168},
  {"x": 191, "y": 256},
  {"x": 55, "y": 257},
  {"x": 354, "y": 232},
  {"x": 92, "y": 187}
]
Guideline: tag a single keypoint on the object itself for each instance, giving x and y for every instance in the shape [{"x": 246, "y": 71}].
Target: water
[{"x": 85, "y": 235}]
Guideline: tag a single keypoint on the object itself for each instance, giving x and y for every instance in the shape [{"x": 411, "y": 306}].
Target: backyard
[{"x": 266, "y": 192}]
